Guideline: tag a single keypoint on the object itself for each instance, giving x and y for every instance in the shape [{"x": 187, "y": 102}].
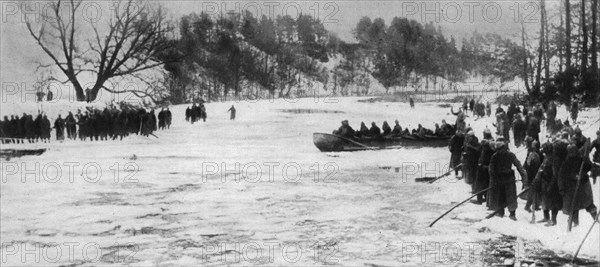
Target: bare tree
[
  {"x": 594, "y": 47},
  {"x": 132, "y": 41},
  {"x": 568, "y": 34},
  {"x": 584, "y": 32}
]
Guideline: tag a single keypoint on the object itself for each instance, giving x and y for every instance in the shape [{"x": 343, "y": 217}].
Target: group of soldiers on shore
[
  {"x": 550, "y": 172},
  {"x": 477, "y": 107},
  {"x": 196, "y": 113},
  {"x": 386, "y": 131},
  {"x": 95, "y": 124}
]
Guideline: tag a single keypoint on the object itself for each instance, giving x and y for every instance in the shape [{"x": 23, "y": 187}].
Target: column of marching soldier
[
  {"x": 551, "y": 169},
  {"x": 92, "y": 124}
]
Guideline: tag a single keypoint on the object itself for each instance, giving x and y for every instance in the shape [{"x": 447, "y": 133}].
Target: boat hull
[
  {"x": 335, "y": 143},
  {"x": 15, "y": 153}
]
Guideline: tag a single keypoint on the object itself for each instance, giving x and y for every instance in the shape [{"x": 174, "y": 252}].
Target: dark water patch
[
  {"x": 309, "y": 111},
  {"x": 74, "y": 264},
  {"x": 149, "y": 230},
  {"x": 109, "y": 232},
  {"x": 184, "y": 187},
  {"x": 185, "y": 243},
  {"x": 148, "y": 215},
  {"x": 41, "y": 232},
  {"x": 212, "y": 235},
  {"x": 103, "y": 199}
]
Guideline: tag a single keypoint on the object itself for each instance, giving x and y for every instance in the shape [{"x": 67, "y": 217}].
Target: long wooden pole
[
  {"x": 456, "y": 206},
  {"x": 445, "y": 174},
  {"x": 585, "y": 237}
]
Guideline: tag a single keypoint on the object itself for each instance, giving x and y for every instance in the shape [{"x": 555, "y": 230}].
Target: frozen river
[{"x": 255, "y": 191}]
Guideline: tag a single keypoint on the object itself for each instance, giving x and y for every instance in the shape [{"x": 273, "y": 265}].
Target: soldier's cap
[
  {"x": 470, "y": 133},
  {"x": 547, "y": 148},
  {"x": 500, "y": 144},
  {"x": 486, "y": 130},
  {"x": 577, "y": 130}
]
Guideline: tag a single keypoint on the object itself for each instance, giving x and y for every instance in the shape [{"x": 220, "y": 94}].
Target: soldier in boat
[
  {"x": 386, "y": 128},
  {"x": 345, "y": 130},
  {"x": 397, "y": 129},
  {"x": 364, "y": 131},
  {"x": 374, "y": 131}
]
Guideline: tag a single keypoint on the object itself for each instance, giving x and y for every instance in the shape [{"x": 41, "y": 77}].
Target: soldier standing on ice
[
  {"x": 483, "y": 176},
  {"x": 545, "y": 183},
  {"x": 169, "y": 118},
  {"x": 472, "y": 105},
  {"x": 188, "y": 114},
  {"x": 532, "y": 164},
  {"x": 550, "y": 117},
  {"x": 231, "y": 111},
  {"x": 533, "y": 127},
  {"x": 503, "y": 192},
  {"x": 456, "y": 146},
  {"x": 519, "y": 128},
  {"x": 71, "y": 126},
  {"x": 574, "y": 111},
  {"x": 59, "y": 125},
  {"x": 470, "y": 156},
  {"x": 459, "y": 124},
  {"x": 161, "y": 119},
  {"x": 488, "y": 109},
  {"x": 411, "y": 102},
  {"x": 596, "y": 157},
  {"x": 567, "y": 184}
]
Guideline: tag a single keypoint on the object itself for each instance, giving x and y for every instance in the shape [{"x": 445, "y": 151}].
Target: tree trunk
[
  {"x": 547, "y": 49},
  {"x": 568, "y": 34},
  {"x": 584, "y": 49},
  {"x": 594, "y": 36},
  {"x": 525, "y": 62},
  {"x": 562, "y": 37},
  {"x": 538, "y": 72}
]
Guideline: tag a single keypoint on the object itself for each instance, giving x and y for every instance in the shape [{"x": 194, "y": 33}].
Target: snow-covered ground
[{"x": 175, "y": 200}]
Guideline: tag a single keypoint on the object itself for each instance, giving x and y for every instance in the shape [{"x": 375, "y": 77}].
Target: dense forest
[{"x": 260, "y": 57}]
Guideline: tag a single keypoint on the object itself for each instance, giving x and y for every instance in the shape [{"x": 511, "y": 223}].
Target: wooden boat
[
  {"x": 336, "y": 143},
  {"x": 15, "y": 153}
]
